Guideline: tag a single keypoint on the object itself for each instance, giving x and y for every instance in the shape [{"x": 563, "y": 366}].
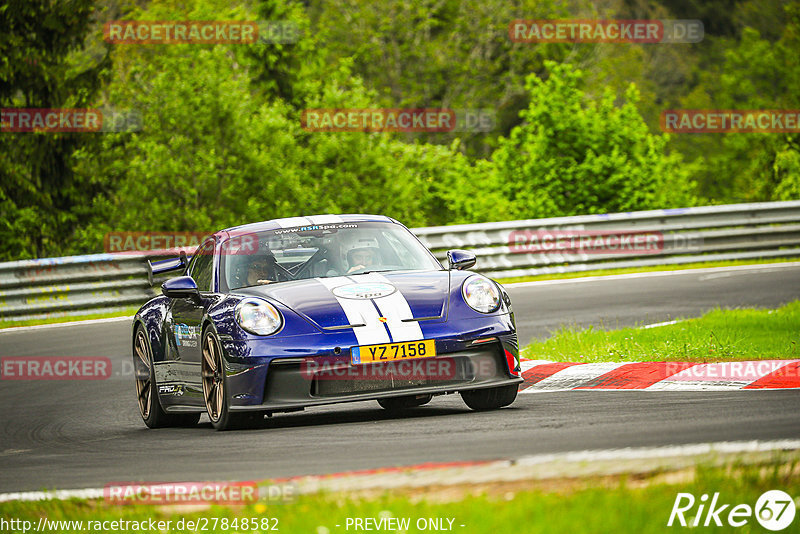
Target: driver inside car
[
  {"x": 362, "y": 258},
  {"x": 260, "y": 271}
]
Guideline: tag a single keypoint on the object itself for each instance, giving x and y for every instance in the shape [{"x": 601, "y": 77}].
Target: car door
[{"x": 185, "y": 328}]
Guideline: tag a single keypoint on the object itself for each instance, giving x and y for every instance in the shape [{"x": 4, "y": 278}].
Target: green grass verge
[
  {"x": 126, "y": 312},
  {"x": 605, "y": 272},
  {"x": 720, "y": 335},
  {"x": 639, "y": 504}
]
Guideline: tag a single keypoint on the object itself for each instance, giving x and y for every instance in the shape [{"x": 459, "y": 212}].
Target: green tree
[
  {"x": 572, "y": 156},
  {"x": 221, "y": 144},
  {"x": 45, "y": 62},
  {"x": 753, "y": 73},
  {"x": 763, "y": 75},
  {"x": 209, "y": 151},
  {"x": 452, "y": 54}
]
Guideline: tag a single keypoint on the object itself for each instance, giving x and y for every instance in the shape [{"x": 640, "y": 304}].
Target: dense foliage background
[{"x": 221, "y": 143}]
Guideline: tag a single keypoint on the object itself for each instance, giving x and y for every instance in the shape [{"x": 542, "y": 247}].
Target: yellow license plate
[{"x": 389, "y": 352}]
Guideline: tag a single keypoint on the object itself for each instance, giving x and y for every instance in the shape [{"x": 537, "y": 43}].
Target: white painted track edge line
[
  {"x": 628, "y": 276},
  {"x": 61, "y": 325}
]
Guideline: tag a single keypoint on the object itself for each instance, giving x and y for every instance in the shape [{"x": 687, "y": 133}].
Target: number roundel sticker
[{"x": 372, "y": 290}]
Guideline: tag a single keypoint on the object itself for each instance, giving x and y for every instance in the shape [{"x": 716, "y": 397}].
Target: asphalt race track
[{"x": 85, "y": 434}]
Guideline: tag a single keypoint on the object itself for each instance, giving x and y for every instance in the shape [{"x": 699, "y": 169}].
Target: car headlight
[
  {"x": 258, "y": 317},
  {"x": 481, "y": 294}
]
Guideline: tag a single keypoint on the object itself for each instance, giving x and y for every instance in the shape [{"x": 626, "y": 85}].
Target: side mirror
[
  {"x": 182, "y": 287},
  {"x": 460, "y": 259}
]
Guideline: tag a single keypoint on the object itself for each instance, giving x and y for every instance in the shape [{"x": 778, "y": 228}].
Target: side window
[{"x": 202, "y": 266}]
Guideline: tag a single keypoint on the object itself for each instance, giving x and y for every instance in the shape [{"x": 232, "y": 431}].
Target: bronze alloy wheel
[
  {"x": 150, "y": 406},
  {"x": 213, "y": 387},
  {"x": 144, "y": 386}
]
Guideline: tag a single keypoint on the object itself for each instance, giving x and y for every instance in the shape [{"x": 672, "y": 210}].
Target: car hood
[{"x": 321, "y": 300}]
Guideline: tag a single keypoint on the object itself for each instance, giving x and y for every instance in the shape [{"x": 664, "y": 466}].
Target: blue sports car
[{"x": 285, "y": 314}]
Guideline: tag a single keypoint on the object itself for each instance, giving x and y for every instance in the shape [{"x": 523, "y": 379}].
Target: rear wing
[{"x": 165, "y": 266}]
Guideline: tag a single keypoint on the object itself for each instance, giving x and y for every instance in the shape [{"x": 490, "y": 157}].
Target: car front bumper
[{"x": 285, "y": 384}]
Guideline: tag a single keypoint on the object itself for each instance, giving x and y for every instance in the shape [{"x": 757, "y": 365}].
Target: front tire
[
  {"x": 490, "y": 398},
  {"x": 215, "y": 388},
  {"x": 150, "y": 408}
]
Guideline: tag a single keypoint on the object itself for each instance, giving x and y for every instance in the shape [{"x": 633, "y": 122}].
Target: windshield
[{"x": 323, "y": 251}]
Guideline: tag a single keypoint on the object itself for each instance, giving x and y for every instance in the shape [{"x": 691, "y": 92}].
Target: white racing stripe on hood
[
  {"x": 291, "y": 222},
  {"x": 395, "y": 308},
  {"x": 359, "y": 312}
]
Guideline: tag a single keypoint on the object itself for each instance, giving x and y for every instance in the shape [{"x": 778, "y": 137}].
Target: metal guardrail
[
  {"x": 72, "y": 285},
  {"x": 99, "y": 283},
  {"x": 686, "y": 235}
]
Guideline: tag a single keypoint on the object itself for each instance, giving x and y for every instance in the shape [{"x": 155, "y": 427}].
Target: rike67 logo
[{"x": 774, "y": 510}]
